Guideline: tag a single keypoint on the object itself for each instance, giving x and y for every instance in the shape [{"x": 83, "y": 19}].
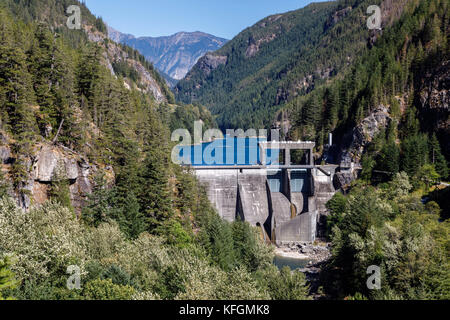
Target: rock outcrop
[
  {"x": 47, "y": 164},
  {"x": 210, "y": 62},
  {"x": 5, "y": 155},
  {"x": 113, "y": 53},
  {"x": 361, "y": 135}
]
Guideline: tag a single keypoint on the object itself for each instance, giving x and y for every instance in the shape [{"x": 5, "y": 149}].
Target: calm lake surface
[{"x": 229, "y": 151}]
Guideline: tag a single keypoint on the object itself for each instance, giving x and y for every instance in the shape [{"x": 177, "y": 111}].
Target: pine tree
[
  {"x": 59, "y": 188},
  {"x": 437, "y": 158},
  {"x": 16, "y": 93},
  {"x": 101, "y": 205},
  {"x": 389, "y": 159},
  {"x": 414, "y": 153},
  {"x": 155, "y": 198},
  {"x": 131, "y": 220}
]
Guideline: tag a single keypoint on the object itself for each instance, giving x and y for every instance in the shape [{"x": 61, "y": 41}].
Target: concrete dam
[{"x": 284, "y": 200}]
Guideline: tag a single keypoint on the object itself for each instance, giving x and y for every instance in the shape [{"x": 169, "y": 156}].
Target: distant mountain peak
[{"x": 173, "y": 55}]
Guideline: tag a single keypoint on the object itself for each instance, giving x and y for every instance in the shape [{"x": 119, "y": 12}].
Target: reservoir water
[{"x": 227, "y": 152}]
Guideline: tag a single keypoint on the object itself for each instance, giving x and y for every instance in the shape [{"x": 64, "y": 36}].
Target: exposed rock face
[
  {"x": 363, "y": 134},
  {"x": 283, "y": 123},
  {"x": 114, "y": 53},
  {"x": 254, "y": 45},
  {"x": 343, "y": 179},
  {"x": 338, "y": 16},
  {"x": 48, "y": 160},
  {"x": 48, "y": 163},
  {"x": 150, "y": 83},
  {"x": 174, "y": 55},
  {"x": 210, "y": 62}
]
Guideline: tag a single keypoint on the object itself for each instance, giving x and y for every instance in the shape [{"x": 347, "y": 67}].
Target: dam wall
[
  {"x": 221, "y": 188},
  {"x": 285, "y": 203}
]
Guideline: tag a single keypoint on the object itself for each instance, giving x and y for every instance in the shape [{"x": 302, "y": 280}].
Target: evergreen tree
[
  {"x": 16, "y": 93},
  {"x": 131, "y": 220},
  {"x": 389, "y": 159},
  {"x": 101, "y": 205},
  {"x": 155, "y": 198},
  {"x": 414, "y": 153},
  {"x": 437, "y": 158},
  {"x": 59, "y": 188}
]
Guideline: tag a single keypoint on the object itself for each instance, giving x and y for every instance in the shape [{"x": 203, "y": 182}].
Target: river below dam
[
  {"x": 293, "y": 263},
  {"x": 301, "y": 256}
]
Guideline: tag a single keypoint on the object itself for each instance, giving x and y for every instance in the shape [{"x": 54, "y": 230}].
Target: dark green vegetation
[
  {"x": 391, "y": 73},
  {"x": 148, "y": 232},
  {"x": 394, "y": 216},
  {"x": 388, "y": 226}
]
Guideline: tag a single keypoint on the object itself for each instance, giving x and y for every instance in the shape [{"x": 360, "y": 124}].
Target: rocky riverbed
[
  {"x": 315, "y": 256},
  {"x": 316, "y": 253}
]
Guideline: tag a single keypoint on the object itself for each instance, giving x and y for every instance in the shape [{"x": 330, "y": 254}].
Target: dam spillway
[{"x": 284, "y": 200}]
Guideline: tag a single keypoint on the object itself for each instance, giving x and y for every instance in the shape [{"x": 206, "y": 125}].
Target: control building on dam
[{"x": 284, "y": 200}]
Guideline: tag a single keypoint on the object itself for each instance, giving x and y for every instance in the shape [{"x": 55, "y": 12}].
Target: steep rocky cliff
[
  {"x": 76, "y": 101},
  {"x": 47, "y": 164},
  {"x": 355, "y": 141},
  {"x": 149, "y": 81}
]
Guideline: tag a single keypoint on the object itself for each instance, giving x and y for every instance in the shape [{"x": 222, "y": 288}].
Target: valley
[{"x": 352, "y": 172}]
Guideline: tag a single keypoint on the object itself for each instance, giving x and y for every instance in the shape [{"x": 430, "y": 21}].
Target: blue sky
[{"x": 222, "y": 18}]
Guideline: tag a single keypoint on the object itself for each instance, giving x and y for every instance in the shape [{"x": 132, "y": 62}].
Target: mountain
[
  {"x": 282, "y": 56},
  {"x": 173, "y": 55}
]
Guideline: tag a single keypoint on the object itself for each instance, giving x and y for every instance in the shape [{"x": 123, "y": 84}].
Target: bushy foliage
[
  {"x": 42, "y": 243},
  {"x": 107, "y": 290},
  {"x": 6, "y": 276},
  {"x": 392, "y": 229}
]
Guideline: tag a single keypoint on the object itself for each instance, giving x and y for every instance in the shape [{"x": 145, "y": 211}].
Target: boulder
[
  {"x": 47, "y": 163},
  {"x": 47, "y": 160}
]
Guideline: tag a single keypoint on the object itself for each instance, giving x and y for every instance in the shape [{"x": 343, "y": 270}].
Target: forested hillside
[
  {"x": 401, "y": 81},
  {"x": 86, "y": 178},
  {"x": 389, "y": 113},
  {"x": 277, "y": 59}
]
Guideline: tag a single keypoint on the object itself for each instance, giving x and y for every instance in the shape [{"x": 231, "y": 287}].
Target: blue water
[{"x": 227, "y": 152}]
